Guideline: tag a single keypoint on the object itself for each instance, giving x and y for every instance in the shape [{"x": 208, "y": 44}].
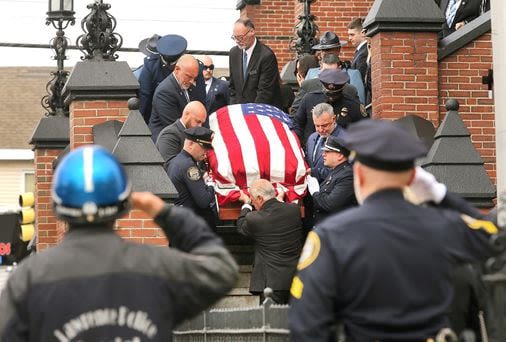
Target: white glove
[
  {"x": 312, "y": 184},
  {"x": 211, "y": 184},
  {"x": 426, "y": 188}
]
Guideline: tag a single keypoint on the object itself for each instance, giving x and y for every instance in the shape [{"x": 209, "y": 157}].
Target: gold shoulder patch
[
  {"x": 476, "y": 224},
  {"x": 297, "y": 287},
  {"x": 310, "y": 251},
  {"x": 193, "y": 173}
]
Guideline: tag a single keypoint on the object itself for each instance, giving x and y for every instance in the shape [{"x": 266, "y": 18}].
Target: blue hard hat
[
  {"x": 90, "y": 186},
  {"x": 171, "y": 46}
]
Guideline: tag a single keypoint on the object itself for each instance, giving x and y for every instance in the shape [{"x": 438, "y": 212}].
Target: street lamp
[{"x": 60, "y": 14}]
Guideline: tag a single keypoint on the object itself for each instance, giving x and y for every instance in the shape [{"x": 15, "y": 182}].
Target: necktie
[
  {"x": 186, "y": 95},
  {"x": 244, "y": 63},
  {"x": 321, "y": 141},
  {"x": 451, "y": 11}
]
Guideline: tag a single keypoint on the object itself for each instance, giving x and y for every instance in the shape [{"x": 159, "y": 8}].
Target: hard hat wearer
[{"x": 90, "y": 186}]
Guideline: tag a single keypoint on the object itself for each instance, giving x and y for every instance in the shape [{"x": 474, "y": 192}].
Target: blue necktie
[
  {"x": 450, "y": 13},
  {"x": 321, "y": 142},
  {"x": 244, "y": 63}
]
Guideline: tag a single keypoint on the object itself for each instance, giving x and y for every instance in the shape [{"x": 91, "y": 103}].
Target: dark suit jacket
[
  {"x": 217, "y": 96},
  {"x": 277, "y": 231},
  {"x": 315, "y": 158},
  {"x": 314, "y": 84},
  {"x": 467, "y": 11},
  {"x": 168, "y": 104},
  {"x": 359, "y": 60},
  {"x": 262, "y": 78},
  {"x": 170, "y": 141}
]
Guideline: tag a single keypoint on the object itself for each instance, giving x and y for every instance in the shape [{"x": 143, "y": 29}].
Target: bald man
[
  {"x": 173, "y": 94},
  {"x": 171, "y": 139}
]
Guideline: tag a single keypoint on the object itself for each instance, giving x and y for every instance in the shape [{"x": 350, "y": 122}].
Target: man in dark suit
[
  {"x": 171, "y": 139},
  {"x": 457, "y": 13},
  {"x": 276, "y": 228},
  {"x": 254, "y": 75},
  {"x": 359, "y": 41},
  {"x": 173, "y": 94},
  {"x": 216, "y": 89},
  {"x": 165, "y": 51}
]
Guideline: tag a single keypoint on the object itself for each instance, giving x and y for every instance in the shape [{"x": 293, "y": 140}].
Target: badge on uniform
[
  {"x": 363, "y": 111},
  {"x": 473, "y": 223},
  {"x": 310, "y": 251},
  {"x": 344, "y": 112},
  {"x": 193, "y": 173}
]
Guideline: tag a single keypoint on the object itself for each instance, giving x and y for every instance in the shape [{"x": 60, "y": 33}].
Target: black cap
[
  {"x": 148, "y": 45},
  {"x": 332, "y": 144},
  {"x": 333, "y": 79},
  {"x": 201, "y": 135},
  {"x": 382, "y": 145},
  {"x": 171, "y": 46},
  {"x": 329, "y": 40}
]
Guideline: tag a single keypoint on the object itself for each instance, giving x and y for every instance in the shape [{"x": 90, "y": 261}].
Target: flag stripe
[{"x": 262, "y": 147}]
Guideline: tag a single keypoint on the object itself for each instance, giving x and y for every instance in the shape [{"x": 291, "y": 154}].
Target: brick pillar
[
  {"x": 50, "y": 137},
  {"x": 98, "y": 92},
  {"x": 404, "y": 58}
]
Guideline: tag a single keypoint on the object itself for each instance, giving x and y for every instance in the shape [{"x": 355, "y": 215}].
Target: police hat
[
  {"x": 171, "y": 46},
  {"x": 329, "y": 40},
  {"x": 333, "y": 79},
  {"x": 148, "y": 45},
  {"x": 333, "y": 145},
  {"x": 382, "y": 145},
  {"x": 201, "y": 135}
]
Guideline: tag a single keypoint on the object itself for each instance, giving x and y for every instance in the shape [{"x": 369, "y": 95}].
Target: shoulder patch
[
  {"x": 476, "y": 224},
  {"x": 193, "y": 173},
  {"x": 310, "y": 251}
]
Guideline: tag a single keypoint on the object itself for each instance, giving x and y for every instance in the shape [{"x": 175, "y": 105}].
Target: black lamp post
[
  {"x": 60, "y": 14},
  {"x": 306, "y": 30}
]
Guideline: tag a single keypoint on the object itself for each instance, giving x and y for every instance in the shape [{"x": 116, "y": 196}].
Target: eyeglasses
[
  {"x": 240, "y": 37},
  {"x": 210, "y": 67}
]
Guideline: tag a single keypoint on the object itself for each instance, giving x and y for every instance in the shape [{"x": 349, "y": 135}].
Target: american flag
[{"x": 253, "y": 141}]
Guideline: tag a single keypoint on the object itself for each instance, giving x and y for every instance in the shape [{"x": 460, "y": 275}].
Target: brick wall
[
  {"x": 404, "y": 73},
  {"x": 460, "y": 78}
]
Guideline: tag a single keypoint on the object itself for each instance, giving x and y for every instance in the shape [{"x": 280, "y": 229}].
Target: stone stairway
[{"x": 241, "y": 248}]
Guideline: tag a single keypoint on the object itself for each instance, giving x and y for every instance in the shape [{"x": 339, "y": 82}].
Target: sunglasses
[{"x": 210, "y": 67}]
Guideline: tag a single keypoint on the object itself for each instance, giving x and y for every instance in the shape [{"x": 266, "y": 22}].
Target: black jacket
[
  {"x": 262, "y": 79},
  {"x": 170, "y": 141},
  {"x": 277, "y": 231},
  {"x": 95, "y": 286}
]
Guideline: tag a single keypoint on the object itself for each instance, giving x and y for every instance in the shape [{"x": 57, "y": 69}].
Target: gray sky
[{"x": 206, "y": 24}]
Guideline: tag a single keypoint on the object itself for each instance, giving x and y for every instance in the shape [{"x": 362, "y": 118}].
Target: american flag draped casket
[{"x": 253, "y": 141}]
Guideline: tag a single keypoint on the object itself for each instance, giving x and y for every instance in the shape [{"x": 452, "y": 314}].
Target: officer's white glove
[
  {"x": 312, "y": 184},
  {"x": 211, "y": 184},
  {"x": 426, "y": 188}
]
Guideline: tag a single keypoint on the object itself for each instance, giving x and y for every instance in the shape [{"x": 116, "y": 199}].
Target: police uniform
[
  {"x": 187, "y": 177},
  {"x": 382, "y": 269},
  {"x": 336, "y": 191},
  {"x": 347, "y": 108}
]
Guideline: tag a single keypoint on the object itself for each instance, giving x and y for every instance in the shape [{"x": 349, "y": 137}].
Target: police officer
[
  {"x": 95, "y": 286},
  {"x": 187, "y": 177},
  {"x": 157, "y": 67},
  {"x": 346, "y": 108},
  {"x": 336, "y": 192},
  {"x": 382, "y": 269}
]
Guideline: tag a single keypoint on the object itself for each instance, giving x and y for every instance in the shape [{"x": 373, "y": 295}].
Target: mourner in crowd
[
  {"x": 382, "y": 270},
  {"x": 216, "y": 89},
  {"x": 95, "y": 286},
  {"x": 358, "y": 39},
  {"x": 276, "y": 229},
  {"x": 253, "y": 67}
]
